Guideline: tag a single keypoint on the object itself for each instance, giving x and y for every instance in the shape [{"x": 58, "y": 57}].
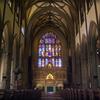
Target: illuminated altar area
[{"x": 50, "y": 72}]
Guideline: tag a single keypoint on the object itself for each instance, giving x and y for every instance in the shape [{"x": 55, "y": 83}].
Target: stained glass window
[{"x": 49, "y": 51}]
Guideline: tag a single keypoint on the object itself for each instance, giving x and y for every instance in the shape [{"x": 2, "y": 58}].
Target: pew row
[
  {"x": 20, "y": 94},
  {"x": 80, "y": 94}
]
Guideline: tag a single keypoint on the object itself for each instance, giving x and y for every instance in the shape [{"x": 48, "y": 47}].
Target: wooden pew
[
  {"x": 21, "y": 95},
  {"x": 96, "y": 94},
  {"x": 80, "y": 94}
]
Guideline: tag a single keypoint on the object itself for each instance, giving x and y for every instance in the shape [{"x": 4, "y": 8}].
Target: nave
[{"x": 50, "y": 46}]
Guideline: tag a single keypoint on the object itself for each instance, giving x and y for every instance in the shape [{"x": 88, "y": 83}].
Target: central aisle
[{"x": 51, "y": 96}]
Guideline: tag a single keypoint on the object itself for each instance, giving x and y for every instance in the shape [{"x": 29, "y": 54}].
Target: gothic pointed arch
[{"x": 49, "y": 51}]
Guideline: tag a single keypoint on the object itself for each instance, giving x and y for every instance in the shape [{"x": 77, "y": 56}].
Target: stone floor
[{"x": 51, "y": 96}]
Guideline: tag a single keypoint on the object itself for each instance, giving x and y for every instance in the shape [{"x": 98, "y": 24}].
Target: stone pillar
[{"x": 3, "y": 71}]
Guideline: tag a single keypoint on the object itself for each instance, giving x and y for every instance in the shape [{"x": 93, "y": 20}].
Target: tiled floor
[{"x": 51, "y": 96}]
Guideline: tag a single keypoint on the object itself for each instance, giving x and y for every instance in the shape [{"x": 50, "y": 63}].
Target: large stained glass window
[{"x": 49, "y": 52}]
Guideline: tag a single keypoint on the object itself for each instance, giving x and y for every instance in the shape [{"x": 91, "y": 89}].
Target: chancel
[{"x": 50, "y": 49}]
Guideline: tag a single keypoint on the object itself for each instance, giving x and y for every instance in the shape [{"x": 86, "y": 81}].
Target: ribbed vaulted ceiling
[{"x": 59, "y": 14}]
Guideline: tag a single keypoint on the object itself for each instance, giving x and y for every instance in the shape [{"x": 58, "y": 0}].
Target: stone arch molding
[
  {"x": 35, "y": 17},
  {"x": 39, "y": 35}
]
